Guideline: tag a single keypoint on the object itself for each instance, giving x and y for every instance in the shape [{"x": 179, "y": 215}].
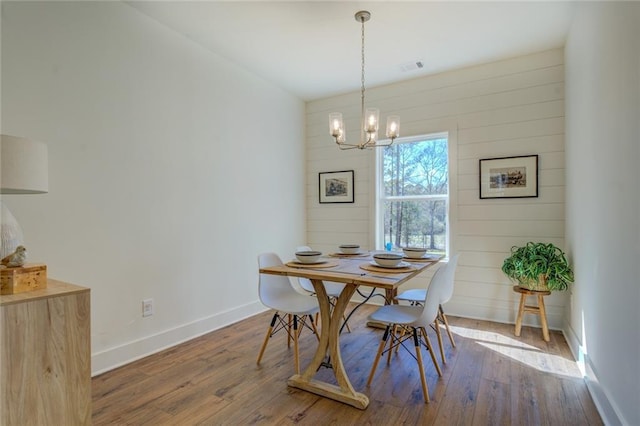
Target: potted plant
[{"x": 538, "y": 266}]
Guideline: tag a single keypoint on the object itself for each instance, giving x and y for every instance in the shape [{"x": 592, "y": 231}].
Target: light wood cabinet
[{"x": 45, "y": 356}]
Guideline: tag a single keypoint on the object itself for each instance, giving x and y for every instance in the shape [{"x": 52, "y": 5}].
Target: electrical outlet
[{"x": 147, "y": 307}]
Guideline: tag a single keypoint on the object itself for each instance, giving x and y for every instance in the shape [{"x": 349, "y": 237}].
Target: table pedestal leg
[{"x": 329, "y": 344}]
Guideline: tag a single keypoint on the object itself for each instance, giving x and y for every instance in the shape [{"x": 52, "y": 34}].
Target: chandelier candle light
[{"x": 370, "y": 117}]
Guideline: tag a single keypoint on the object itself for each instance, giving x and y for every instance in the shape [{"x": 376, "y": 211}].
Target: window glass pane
[
  {"x": 416, "y": 168},
  {"x": 420, "y": 223}
]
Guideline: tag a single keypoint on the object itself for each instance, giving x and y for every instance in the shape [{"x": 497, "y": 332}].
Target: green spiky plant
[{"x": 536, "y": 264}]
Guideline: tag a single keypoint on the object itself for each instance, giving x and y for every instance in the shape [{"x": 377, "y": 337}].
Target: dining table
[{"x": 353, "y": 271}]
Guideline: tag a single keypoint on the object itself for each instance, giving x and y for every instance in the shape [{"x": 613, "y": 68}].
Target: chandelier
[{"x": 369, "y": 117}]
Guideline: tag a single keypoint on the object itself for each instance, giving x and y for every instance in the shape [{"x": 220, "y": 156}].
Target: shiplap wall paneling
[{"x": 505, "y": 108}]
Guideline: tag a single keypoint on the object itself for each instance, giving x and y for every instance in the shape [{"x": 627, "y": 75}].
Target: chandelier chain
[{"x": 362, "y": 133}]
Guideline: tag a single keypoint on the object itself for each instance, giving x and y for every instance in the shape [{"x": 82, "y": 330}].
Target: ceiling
[{"x": 312, "y": 49}]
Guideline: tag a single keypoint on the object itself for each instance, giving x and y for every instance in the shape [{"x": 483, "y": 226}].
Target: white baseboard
[
  {"x": 604, "y": 404},
  {"x": 505, "y": 314},
  {"x": 124, "y": 354},
  {"x": 606, "y": 408},
  {"x": 574, "y": 345}
]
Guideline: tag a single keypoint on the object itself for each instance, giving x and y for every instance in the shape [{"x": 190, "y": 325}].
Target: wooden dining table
[{"x": 353, "y": 271}]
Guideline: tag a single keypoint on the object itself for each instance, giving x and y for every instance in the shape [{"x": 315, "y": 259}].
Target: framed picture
[
  {"x": 509, "y": 177},
  {"x": 336, "y": 187}
]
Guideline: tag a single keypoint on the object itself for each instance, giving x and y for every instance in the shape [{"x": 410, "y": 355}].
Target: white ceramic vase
[{"x": 10, "y": 232}]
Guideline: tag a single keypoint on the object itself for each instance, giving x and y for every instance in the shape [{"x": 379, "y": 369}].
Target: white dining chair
[
  {"x": 276, "y": 292},
  {"x": 404, "y": 322},
  {"x": 417, "y": 296},
  {"x": 333, "y": 289}
]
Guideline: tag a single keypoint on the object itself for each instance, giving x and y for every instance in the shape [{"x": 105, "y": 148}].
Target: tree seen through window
[{"x": 415, "y": 194}]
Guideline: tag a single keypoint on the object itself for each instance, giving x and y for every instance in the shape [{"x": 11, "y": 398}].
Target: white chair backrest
[
  {"x": 440, "y": 288},
  {"x": 272, "y": 289},
  {"x": 305, "y": 283},
  {"x": 447, "y": 292},
  {"x": 432, "y": 302}
]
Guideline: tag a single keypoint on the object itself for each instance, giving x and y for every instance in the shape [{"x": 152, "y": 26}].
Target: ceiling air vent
[{"x": 411, "y": 66}]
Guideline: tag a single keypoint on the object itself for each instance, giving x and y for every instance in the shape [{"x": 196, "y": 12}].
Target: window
[{"x": 413, "y": 193}]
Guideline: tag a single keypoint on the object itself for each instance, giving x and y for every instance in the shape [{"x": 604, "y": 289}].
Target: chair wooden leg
[
  {"x": 344, "y": 317},
  {"x": 423, "y": 380},
  {"x": 430, "y": 348},
  {"x": 402, "y": 331},
  {"x": 300, "y": 324},
  {"x": 446, "y": 325},
  {"x": 381, "y": 346},
  {"x": 393, "y": 341},
  {"x": 296, "y": 361},
  {"x": 313, "y": 326},
  {"x": 267, "y": 337},
  {"x": 436, "y": 326}
]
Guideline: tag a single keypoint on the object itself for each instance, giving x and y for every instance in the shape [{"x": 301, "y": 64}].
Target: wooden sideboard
[{"x": 45, "y": 356}]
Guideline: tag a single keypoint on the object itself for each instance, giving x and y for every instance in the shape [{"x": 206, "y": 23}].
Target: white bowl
[
  {"x": 308, "y": 256},
  {"x": 414, "y": 252},
  {"x": 387, "y": 259},
  {"x": 350, "y": 248}
]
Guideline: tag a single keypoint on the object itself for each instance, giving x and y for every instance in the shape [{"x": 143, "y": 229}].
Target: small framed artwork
[
  {"x": 336, "y": 187},
  {"x": 509, "y": 177}
]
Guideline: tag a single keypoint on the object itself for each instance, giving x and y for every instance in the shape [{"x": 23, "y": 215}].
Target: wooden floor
[{"x": 491, "y": 378}]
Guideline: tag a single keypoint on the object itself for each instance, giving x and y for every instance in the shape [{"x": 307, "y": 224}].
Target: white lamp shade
[{"x": 24, "y": 166}]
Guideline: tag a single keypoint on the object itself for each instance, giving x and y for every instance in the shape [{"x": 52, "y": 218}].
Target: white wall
[
  {"x": 168, "y": 170},
  {"x": 603, "y": 203},
  {"x": 505, "y": 108}
]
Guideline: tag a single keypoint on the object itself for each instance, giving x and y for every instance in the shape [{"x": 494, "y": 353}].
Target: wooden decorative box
[{"x": 31, "y": 276}]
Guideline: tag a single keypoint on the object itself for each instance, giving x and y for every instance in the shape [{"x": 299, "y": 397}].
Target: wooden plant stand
[{"x": 538, "y": 310}]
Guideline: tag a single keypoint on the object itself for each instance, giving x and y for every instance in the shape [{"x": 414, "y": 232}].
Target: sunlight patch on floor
[
  {"x": 490, "y": 336},
  {"x": 522, "y": 352},
  {"x": 541, "y": 361}
]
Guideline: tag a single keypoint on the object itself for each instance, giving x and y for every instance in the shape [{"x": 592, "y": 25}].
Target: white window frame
[{"x": 379, "y": 189}]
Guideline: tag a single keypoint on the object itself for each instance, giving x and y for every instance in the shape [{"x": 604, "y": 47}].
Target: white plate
[
  {"x": 398, "y": 266},
  {"x": 319, "y": 262}
]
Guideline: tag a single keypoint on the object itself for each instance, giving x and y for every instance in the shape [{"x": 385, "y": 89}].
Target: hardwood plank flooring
[{"x": 491, "y": 378}]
